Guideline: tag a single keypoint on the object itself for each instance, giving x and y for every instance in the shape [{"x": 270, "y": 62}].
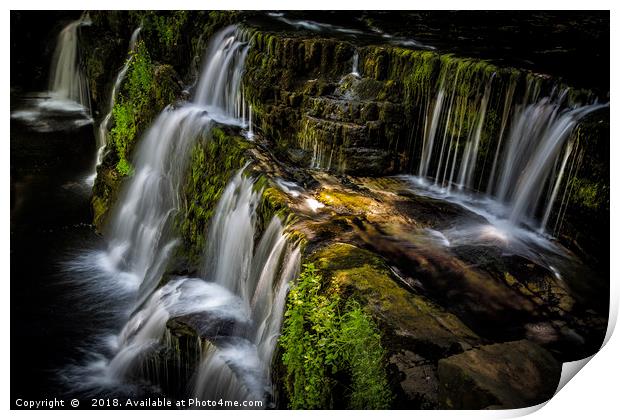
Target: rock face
[
  {"x": 414, "y": 331},
  {"x": 508, "y": 375},
  {"x": 318, "y": 113}
]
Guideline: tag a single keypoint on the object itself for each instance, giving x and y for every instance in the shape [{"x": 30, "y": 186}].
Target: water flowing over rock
[
  {"x": 536, "y": 130},
  {"x": 102, "y": 130},
  {"x": 67, "y": 80},
  {"x": 221, "y": 91},
  {"x": 259, "y": 274},
  {"x": 243, "y": 287},
  {"x": 66, "y": 104},
  {"x": 140, "y": 230}
]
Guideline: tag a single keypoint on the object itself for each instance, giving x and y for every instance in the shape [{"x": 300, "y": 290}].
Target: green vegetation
[
  {"x": 130, "y": 106},
  {"x": 214, "y": 159},
  {"x": 123, "y": 133},
  {"x": 146, "y": 90},
  {"x": 324, "y": 339},
  {"x": 165, "y": 26},
  {"x": 588, "y": 194}
]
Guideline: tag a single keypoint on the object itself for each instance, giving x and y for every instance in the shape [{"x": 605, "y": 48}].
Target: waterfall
[
  {"x": 525, "y": 149},
  {"x": 67, "y": 81},
  {"x": 101, "y": 134},
  {"x": 243, "y": 284},
  {"x": 556, "y": 186},
  {"x": 430, "y": 131},
  {"x": 250, "y": 126},
  {"x": 141, "y": 236},
  {"x": 355, "y": 64},
  {"x": 237, "y": 367},
  {"x": 538, "y": 136},
  {"x": 141, "y": 224},
  {"x": 510, "y": 91},
  {"x": 470, "y": 155},
  {"x": 221, "y": 91}
]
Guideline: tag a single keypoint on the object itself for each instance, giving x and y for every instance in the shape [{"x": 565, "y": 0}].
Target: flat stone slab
[{"x": 515, "y": 374}]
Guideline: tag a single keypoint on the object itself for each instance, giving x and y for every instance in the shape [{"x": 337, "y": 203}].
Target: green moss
[
  {"x": 105, "y": 191},
  {"x": 214, "y": 159},
  {"x": 167, "y": 27},
  {"x": 591, "y": 195},
  {"x": 273, "y": 203},
  {"x": 122, "y": 135},
  {"x": 355, "y": 203},
  {"x": 323, "y": 339},
  {"x": 130, "y": 108},
  {"x": 146, "y": 90},
  {"x": 354, "y": 273}
]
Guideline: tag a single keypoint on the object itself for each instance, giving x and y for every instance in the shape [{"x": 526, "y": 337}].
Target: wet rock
[
  {"x": 203, "y": 325},
  {"x": 414, "y": 331},
  {"x": 508, "y": 375},
  {"x": 418, "y": 379},
  {"x": 299, "y": 156},
  {"x": 367, "y": 162}
]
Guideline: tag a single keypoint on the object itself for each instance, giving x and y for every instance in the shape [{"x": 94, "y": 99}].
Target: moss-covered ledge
[
  {"x": 215, "y": 158},
  {"x": 412, "y": 333},
  {"x": 147, "y": 89}
]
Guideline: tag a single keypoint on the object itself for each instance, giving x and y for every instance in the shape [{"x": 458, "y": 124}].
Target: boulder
[{"x": 515, "y": 374}]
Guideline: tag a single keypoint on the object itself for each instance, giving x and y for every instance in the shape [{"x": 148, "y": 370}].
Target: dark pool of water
[{"x": 50, "y": 220}]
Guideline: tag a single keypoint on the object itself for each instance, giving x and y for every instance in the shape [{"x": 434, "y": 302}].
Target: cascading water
[
  {"x": 355, "y": 64},
  {"x": 141, "y": 226},
  {"x": 538, "y": 135},
  {"x": 470, "y": 155},
  {"x": 66, "y": 104},
  {"x": 259, "y": 276},
  {"x": 523, "y": 160},
  {"x": 243, "y": 285},
  {"x": 140, "y": 232},
  {"x": 101, "y": 134},
  {"x": 221, "y": 91},
  {"x": 67, "y": 81}
]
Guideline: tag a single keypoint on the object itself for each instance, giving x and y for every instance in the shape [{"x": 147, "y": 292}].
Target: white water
[
  {"x": 525, "y": 182},
  {"x": 101, "y": 135},
  {"x": 66, "y": 105},
  {"x": 312, "y": 25},
  {"x": 537, "y": 137},
  {"x": 430, "y": 132},
  {"x": 140, "y": 228},
  {"x": 470, "y": 155},
  {"x": 524, "y": 161},
  {"x": 355, "y": 64},
  {"x": 259, "y": 274},
  {"x": 67, "y": 80},
  {"x": 140, "y": 233},
  {"x": 219, "y": 89},
  {"x": 243, "y": 283},
  {"x": 457, "y": 168}
]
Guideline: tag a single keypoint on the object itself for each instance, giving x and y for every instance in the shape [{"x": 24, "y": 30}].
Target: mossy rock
[
  {"x": 214, "y": 160},
  {"x": 407, "y": 317},
  {"x": 147, "y": 89},
  {"x": 347, "y": 201},
  {"x": 415, "y": 332}
]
